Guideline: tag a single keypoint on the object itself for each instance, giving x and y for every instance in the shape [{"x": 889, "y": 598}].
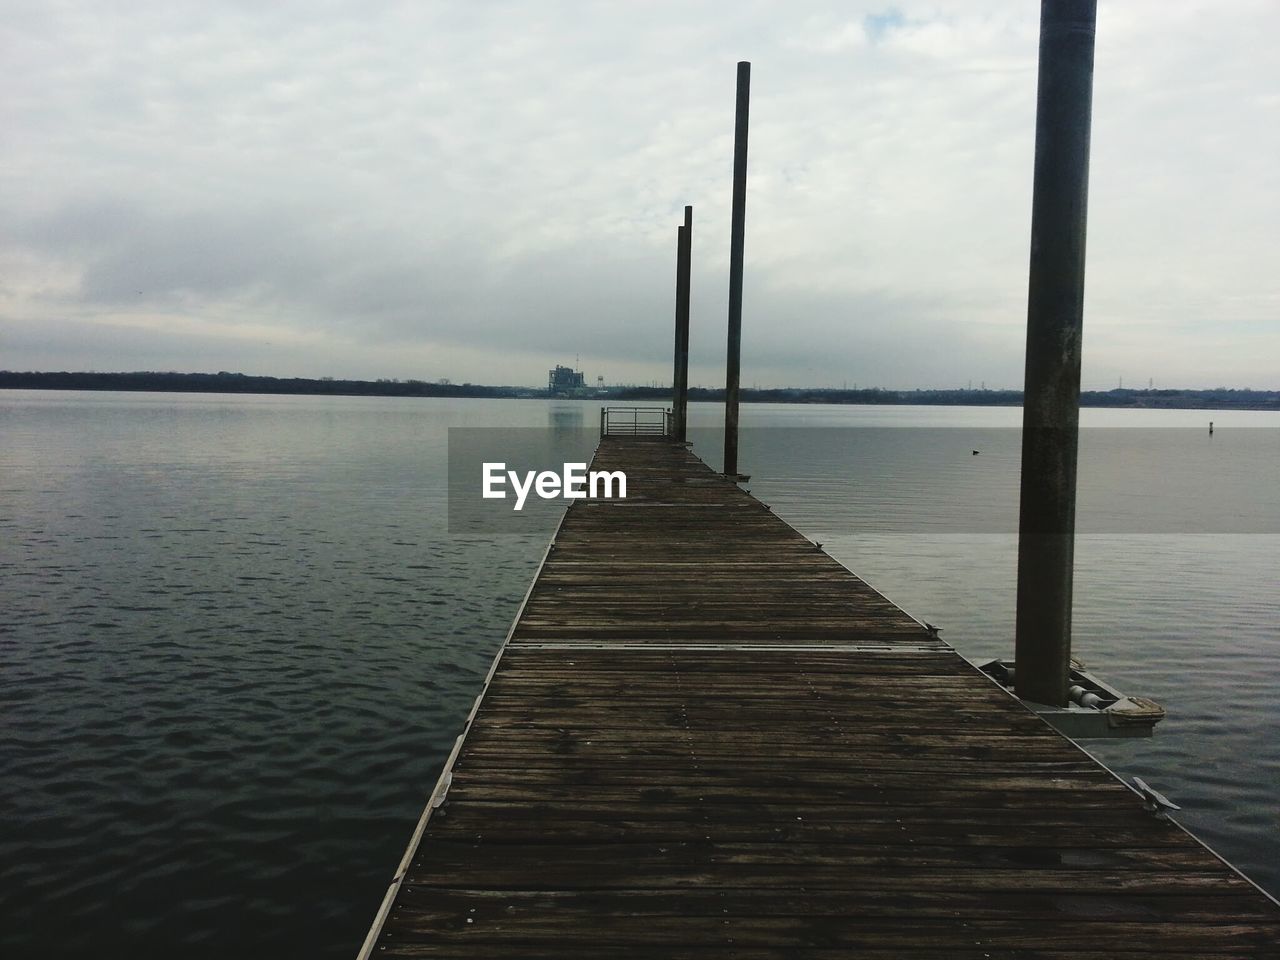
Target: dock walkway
[{"x": 705, "y": 738}]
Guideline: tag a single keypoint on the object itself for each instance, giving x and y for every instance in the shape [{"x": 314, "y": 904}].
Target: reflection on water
[
  {"x": 237, "y": 640},
  {"x": 565, "y": 417}
]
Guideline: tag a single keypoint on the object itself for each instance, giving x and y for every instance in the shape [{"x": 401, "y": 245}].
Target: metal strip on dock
[{"x": 706, "y": 738}]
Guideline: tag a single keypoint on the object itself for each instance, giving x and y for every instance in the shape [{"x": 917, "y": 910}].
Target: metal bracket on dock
[
  {"x": 1153, "y": 801},
  {"x": 1096, "y": 709},
  {"x": 442, "y": 789}
]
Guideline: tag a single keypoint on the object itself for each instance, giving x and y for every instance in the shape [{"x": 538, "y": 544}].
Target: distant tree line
[{"x": 224, "y": 382}]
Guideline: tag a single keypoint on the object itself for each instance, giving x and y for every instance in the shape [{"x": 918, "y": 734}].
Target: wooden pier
[{"x": 704, "y": 738}]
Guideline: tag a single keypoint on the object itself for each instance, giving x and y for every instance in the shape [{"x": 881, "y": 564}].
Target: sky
[{"x": 479, "y": 190}]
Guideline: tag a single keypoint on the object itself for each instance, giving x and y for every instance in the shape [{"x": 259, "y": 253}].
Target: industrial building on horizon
[
  {"x": 567, "y": 382},
  {"x": 563, "y": 381}
]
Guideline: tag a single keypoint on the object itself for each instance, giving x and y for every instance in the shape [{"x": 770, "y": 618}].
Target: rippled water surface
[{"x": 236, "y": 639}]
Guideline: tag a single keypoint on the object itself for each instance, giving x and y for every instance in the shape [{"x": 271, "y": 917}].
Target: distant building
[{"x": 565, "y": 381}]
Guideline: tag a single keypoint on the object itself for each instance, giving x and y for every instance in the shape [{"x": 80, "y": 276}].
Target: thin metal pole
[
  {"x": 1055, "y": 320},
  {"x": 737, "y": 235},
  {"x": 682, "y": 325}
]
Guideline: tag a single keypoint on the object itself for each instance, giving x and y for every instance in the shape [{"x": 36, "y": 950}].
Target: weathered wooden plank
[
  {"x": 531, "y": 790},
  {"x": 570, "y": 949},
  {"x": 636, "y": 864},
  {"x": 455, "y": 906},
  {"x": 620, "y": 827},
  {"x": 847, "y": 931}
]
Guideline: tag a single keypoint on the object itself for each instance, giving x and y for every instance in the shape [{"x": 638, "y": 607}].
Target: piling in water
[
  {"x": 680, "y": 380},
  {"x": 737, "y": 235},
  {"x": 1055, "y": 312}
]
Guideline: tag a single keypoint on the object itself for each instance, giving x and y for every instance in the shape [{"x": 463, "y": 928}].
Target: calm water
[{"x": 236, "y": 640}]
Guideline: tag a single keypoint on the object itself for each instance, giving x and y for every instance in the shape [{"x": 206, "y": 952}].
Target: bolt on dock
[{"x": 704, "y": 737}]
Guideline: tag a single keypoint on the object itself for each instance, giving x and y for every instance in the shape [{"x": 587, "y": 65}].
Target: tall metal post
[
  {"x": 675, "y": 375},
  {"x": 1055, "y": 314},
  {"x": 737, "y": 236},
  {"x": 683, "y": 270}
]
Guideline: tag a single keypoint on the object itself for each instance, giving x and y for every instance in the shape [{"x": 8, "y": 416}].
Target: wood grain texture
[{"x": 705, "y": 738}]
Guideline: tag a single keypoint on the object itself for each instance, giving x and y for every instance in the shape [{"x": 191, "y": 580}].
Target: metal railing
[{"x": 635, "y": 422}]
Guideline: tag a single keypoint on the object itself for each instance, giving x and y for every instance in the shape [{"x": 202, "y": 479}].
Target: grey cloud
[{"x": 501, "y": 180}]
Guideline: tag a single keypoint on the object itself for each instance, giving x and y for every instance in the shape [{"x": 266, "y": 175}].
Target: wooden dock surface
[{"x": 705, "y": 738}]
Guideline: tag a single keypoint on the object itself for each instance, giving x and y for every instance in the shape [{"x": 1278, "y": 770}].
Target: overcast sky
[{"x": 477, "y": 190}]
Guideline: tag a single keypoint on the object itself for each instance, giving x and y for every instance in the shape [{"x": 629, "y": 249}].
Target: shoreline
[{"x": 238, "y": 383}]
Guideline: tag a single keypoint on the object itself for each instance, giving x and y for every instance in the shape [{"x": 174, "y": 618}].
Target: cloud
[
  {"x": 877, "y": 26},
  {"x": 400, "y": 189}
]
